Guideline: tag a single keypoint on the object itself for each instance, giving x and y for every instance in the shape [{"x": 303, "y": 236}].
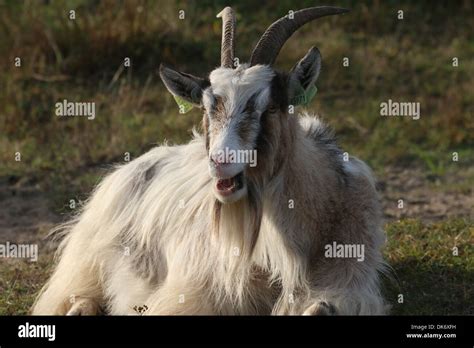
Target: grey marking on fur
[{"x": 325, "y": 139}]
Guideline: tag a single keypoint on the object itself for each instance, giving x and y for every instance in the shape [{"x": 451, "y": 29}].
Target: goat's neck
[{"x": 304, "y": 188}]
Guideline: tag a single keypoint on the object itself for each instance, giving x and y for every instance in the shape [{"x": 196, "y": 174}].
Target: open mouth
[{"x": 228, "y": 186}]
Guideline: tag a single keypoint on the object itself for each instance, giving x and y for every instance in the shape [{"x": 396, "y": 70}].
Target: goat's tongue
[{"x": 225, "y": 184}]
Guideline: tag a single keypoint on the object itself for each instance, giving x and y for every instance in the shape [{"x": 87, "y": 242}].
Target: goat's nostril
[
  {"x": 213, "y": 160},
  {"x": 218, "y": 161}
]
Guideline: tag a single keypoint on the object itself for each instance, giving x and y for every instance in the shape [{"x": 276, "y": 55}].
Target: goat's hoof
[
  {"x": 320, "y": 308},
  {"x": 84, "y": 306}
]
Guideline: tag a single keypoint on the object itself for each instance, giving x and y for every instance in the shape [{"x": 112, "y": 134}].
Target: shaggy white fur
[{"x": 146, "y": 237}]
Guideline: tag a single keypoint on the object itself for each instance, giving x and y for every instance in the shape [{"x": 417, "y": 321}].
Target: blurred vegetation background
[
  {"x": 407, "y": 60},
  {"x": 82, "y": 60}
]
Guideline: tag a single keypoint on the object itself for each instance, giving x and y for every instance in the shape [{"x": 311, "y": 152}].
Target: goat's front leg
[
  {"x": 177, "y": 298},
  {"x": 354, "y": 291},
  {"x": 321, "y": 307},
  {"x": 306, "y": 302},
  {"x": 350, "y": 301},
  {"x": 84, "y": 306}
]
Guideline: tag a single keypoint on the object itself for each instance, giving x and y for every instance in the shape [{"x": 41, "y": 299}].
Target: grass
[
  {"x": 82, "y": 60},
  {"x": 20, "y": 282},
  {"x": 431, "y": 277}
]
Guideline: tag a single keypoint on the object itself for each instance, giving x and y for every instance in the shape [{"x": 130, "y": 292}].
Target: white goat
[{"x": 181, "y": 230}]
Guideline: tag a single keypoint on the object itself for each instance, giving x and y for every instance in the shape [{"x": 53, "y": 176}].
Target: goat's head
[{"x": 245, "y": 106}]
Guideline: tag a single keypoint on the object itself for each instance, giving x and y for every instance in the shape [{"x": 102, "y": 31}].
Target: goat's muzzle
[{"x": 229, "y": 189}]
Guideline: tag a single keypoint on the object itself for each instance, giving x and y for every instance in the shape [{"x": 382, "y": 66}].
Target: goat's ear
[
  {"x": 303, "y": 77},
  {"x": 185, "y": 86}
]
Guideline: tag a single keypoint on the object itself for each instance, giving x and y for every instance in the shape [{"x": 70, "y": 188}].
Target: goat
[{"x": 182, "y": 230}]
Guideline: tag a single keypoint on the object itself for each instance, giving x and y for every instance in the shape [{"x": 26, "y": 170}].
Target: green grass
[
  {"x": 20, "y": 282},
  {"x": 430, "y": 277}
]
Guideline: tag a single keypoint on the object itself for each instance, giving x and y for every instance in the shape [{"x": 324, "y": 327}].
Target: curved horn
[
  {"x": 275, "y": 36},
  {"x": 228, "y": 37}
]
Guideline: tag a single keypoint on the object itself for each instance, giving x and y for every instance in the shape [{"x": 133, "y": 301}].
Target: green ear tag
[
  {"x": 304, "y": 97},
  {"x": 184, "y": 106},
  {"x": 310, "y": 93}
]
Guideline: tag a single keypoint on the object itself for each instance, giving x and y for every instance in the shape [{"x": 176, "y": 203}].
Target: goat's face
[
  {"x": 233, "y": 101},
  {"x": 233, "y": 105},
  {"x": 235, "y": 98}
]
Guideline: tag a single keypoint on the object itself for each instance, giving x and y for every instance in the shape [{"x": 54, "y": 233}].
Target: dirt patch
[
  {"x": 25, "y": 216},
  {"x": 426, "y": 198}
]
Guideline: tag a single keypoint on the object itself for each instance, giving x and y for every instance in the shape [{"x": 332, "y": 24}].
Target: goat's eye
[
  {"x": 209, "y": 110},
  {"x": 272, "y": 109},
  {"x": 250, "y": 107}
]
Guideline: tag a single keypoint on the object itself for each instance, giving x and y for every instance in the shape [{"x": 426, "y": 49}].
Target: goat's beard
[
  {"x": 235, "y": 229},
  {"x": 237, "y": 224}
]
